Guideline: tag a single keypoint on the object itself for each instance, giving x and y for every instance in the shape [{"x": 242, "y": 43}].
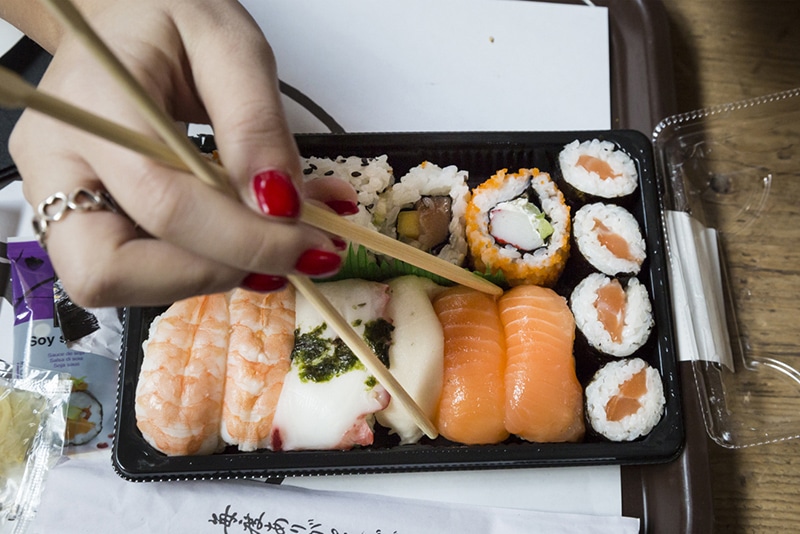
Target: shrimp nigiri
[
  {"x": 261, "y": 341},
  {"x": 179, "y": 394},
  {"x": 544, "y": 400},
  {"x": 473, "y": 394}
]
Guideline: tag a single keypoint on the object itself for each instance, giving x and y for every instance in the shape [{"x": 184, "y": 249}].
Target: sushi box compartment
[{"x": 481, "y": 154}]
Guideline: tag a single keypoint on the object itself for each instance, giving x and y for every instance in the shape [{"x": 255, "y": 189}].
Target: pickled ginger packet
[
  {"x": 32, "y": 425},
  {"x": 21, "y": 414}
]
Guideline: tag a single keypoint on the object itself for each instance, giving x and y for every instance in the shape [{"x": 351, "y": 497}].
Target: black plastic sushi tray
[{"x": 482, "y": 154}]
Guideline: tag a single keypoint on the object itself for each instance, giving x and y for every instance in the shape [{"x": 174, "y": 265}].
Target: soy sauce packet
[{"x": 40, "y": 342}]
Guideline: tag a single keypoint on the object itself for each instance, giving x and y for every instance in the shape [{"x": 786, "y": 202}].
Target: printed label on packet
[{"x": 39, "y": 342}]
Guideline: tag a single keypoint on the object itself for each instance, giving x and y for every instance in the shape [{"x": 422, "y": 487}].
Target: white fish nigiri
[
  {"x": 416, "y": 355},
  {"x": 328, "y": 397}
]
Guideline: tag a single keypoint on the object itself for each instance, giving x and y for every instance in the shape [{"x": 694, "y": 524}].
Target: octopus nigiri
[{"x": 328, "y": 397}]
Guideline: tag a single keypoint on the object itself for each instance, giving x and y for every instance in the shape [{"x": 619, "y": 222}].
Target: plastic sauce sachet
[{"x": 32, "y": 424}]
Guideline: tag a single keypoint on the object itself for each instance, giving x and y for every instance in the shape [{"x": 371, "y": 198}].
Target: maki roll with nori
[
  {"x": 614, "y": 316},
  {"x": 596, "y": 170},
  {"x": 608, "y": 237},
  {"x": 625, "y": 400},
  {"x": 518, "y": 224}
]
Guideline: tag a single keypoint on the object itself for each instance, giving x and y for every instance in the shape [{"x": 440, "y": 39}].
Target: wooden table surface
[{"x": 723, "y": 51}]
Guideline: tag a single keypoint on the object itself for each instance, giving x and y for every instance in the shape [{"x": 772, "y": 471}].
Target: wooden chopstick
[
  {"x": 330, "y": 222},
  {"x": 16, "y": 92},
  {"x": 191, "y": 157},
  {"x": 166, "y": 128}
]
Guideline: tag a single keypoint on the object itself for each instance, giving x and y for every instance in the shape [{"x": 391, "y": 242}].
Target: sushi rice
[
  {"x": 605, "y": 388},
  {"x": 369, "y": 177}
]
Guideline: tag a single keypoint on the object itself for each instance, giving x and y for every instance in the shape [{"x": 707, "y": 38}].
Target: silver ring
[{"x": 57, "y": 205}]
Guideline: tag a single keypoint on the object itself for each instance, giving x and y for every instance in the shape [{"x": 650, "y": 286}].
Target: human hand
[{"x": 202, "y": 61}]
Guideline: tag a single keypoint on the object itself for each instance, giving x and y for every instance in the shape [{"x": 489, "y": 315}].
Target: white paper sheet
[
  {"x": 427, "y": 65},
  {"x": 84, "y": 496},
  {"x": 9, "y": 36},
  {"x": 576, "y": 490}
]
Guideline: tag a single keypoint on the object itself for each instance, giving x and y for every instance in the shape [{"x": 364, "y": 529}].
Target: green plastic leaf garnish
[{"x": 359, "y": 262}]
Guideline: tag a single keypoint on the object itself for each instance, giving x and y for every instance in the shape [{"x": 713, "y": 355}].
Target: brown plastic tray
[{"x": 672, "y": 497}]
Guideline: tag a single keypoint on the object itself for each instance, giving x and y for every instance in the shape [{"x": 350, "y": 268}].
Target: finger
[
  {"x": 244, "y": 104},
  {"x": 205, "y": 229},
  {"x": 337, "y": 194},
  {"x": 101, "y": 256},
  {"x": 102, "y": 263}
]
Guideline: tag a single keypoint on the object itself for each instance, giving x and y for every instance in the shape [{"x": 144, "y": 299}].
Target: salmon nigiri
[
  {"x": 472, "y": 400},
  {"x": 544, "y": 400}
]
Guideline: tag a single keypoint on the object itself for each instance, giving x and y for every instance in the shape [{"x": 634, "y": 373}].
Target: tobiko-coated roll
[
  {"x": 614, "y": 316},
  {"x": 519, "y": 224},
  {"x": 625, "y": 399},
  {"x": 596, "y": 170},
  {"x": 608, "y": 237}
]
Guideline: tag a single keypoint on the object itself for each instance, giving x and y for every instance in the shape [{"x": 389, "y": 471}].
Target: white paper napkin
[{"x": 83, "y": 495}]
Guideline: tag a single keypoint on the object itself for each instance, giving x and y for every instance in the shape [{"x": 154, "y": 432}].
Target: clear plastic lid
[{"x": 731, "y": 199}]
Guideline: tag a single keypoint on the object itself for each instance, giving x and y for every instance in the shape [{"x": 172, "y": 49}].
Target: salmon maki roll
[
  {"x": 473, "y": 394},
  {"x": 614, "y": 315},
  {"x": 609, "y": 239},
  {"x": 596, "y": 170},
  {"x": 544, "y": 400},
  {"x": 625, "y": 399}
]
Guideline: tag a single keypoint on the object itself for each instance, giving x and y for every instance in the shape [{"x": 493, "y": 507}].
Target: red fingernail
[
  {"x": 339, "y": 243},
  {"x": 276, "y": 195},
  {"x": 315, "y": 262},
  {"x": 264, "y": 283},
  {"x": 343, "y": 207}
]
